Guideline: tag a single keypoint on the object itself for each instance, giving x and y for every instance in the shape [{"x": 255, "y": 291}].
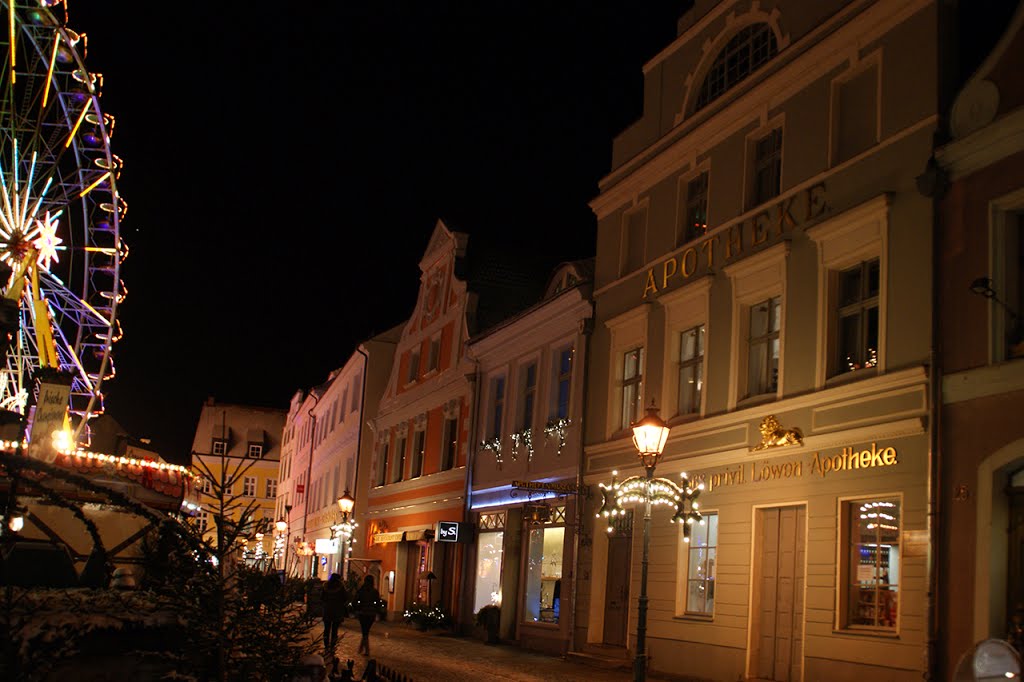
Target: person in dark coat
[
  {"x": 335, "y": 602},
  {"x": 367, "y": 603}
]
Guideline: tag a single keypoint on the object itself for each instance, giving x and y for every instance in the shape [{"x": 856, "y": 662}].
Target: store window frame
[
  {"x": 685, "y": 550},
  {"x": 550, "y": 615},
  {"x": 490, "y": 523},
  {"x": 844, "y": 549}
]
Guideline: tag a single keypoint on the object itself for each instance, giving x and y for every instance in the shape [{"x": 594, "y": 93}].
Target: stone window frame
[
  {"x": 856, "y": 67},
  {"x": 754, "y": 279},
  {"x": 627, "y": 331},
  {"x": 856, "y": 235},
  {"x": 684, "y": 309}
]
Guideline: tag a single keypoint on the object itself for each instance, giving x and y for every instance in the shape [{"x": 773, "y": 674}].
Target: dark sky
[{"x": 285, "y": 165}]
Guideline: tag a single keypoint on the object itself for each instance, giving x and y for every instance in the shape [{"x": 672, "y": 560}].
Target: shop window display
[
  {"x": 700, "y": 577},
  {"x": 544, "y": 574},
  {"x": 873, "y": 563},
  {"x": 490, "y": 540}
]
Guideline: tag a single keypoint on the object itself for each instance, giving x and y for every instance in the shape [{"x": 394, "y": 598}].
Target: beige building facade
[{"x": 763, "y": 275}]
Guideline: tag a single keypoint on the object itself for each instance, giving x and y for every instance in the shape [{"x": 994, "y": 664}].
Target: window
[
  {"x": 634, "y": 226},
  {"x": 696, "y": 216},
  {"x": 544, "y": 571},
  {"x": 529, "y": 384},
  {"x": 418, "y": 446},
  {"x": 745, "y": 52},
  {"x": 563, "y": 383},
  {"x": 344, "y": 403},
  {"x": 763, "y": 347},
  {"x": 489, "y": 547},
  {"x": 767, "y": 167},
  {"x": 382, "y": 464},
  {"x": 203, "y": 520},
  {"x": 356, "y": 383},
  {"x": 220, "y": 447},
  {"x": 632, "y": 385},
  {"x": 871, "y": 570},
  {"x": 255, "y": 451},
  {"x": 249, "y": 486},
  {"x": 857, "y": 325},
  {"x": 414, "y": 365},
  {"x": 450, "y": 443},
  {"x": 497, "y": 405},
  {"x": 691, "y": 369},
  {"x": 700, "y": 566},
  {"x": 399, "y": 470},
  {"x": 271, "y": 488},
  {"x": 435, "y": 354}
]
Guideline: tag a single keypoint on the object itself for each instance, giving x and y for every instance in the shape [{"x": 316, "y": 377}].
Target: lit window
[
  {"x": 745, "y": 52},
  {"x": 871, "y": 570},
  {"x": 249, "y": 486},
  {"x": 220, "y": 447},
  {"x": 544, "y": 572},
  {"x": 701, "y": 560},
  {"x": 632, "y": 383},
  {"x": 696, "y": 224},
  {"x": 489, "y": 548},
  {"x": 857, "y": 317},
  {"x": 691, "y": 369},
  {"x": 763, "y": 362},
  {"x": 255, "y": 451},
  {"x": 767, "y": 167}
]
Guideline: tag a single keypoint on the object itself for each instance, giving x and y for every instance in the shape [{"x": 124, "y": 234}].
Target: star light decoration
[
  {"x": 637, "y": 489},
  {"x": 21, "y": 228}
]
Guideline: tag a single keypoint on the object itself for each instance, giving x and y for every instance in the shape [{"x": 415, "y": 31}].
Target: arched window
[{"x": 746, "y": 52}]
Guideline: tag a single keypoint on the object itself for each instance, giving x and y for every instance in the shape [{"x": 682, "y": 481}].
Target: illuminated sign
[
  {"x": 397, "y": 536},
  {"x": 326, "y": 546},
  {"x": 448, "y": 531},
  {"x": 564, "y": 488}
]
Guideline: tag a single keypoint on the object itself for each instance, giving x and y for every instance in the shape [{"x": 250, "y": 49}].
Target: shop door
[
  {"x": 780, "y": 534},
  {"x": 616, "y": 596},
  {"x": 1015, "y": 567}
]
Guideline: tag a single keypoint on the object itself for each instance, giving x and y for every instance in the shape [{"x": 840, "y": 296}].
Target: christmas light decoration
[{"x": 559, "y": 427}]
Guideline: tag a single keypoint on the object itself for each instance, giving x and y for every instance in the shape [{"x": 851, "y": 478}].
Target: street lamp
[
  {"x": 649, "y": 437},
  {"x": 345, "y": 527}
]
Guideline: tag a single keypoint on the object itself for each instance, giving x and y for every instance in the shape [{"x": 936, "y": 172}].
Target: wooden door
[
  {"x": 779, "y": 593},
  {"x": 616, "y": 595}
]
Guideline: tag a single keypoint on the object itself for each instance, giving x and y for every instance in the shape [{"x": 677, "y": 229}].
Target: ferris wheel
[{"x": 60, "y": 211}]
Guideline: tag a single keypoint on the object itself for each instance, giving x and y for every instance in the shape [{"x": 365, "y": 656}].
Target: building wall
[{"x": 839, "y": 206}]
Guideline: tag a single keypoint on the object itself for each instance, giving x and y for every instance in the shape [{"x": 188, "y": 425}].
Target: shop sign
[
  {"x": 47, "y": 418},
  {"x": 447, "y": 531},
  {"x": 563, "y": 488},
  {"x": 817, "y": 466},
  {"x": 326, "y": 546},
  {"x": 771, "y": 223},
  {"x": 389, "y": 537}
]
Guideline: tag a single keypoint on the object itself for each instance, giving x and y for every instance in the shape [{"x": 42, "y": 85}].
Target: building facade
[
  {"x": 981, "y": 275},
  {"x": 759, "y": 277},
  {"x": 526, "y": 462},
  {"x": 235, "y": 452},
  {"x": 417, "y": 475}
]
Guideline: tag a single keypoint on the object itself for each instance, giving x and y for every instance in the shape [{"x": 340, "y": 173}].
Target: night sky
[{"x": 284, "y": 168}]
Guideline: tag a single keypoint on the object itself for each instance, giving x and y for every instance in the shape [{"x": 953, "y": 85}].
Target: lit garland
[
  {"x": 494, "y": 445},
  {"x": 558, "y": 427},
  {"x": 524, "y": 437},
  {"x": 116, "y": 460},
  {"x": 637, "y": 489}
]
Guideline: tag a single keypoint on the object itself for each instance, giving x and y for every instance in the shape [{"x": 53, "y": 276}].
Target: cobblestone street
[{"x": 437, "y": 655}]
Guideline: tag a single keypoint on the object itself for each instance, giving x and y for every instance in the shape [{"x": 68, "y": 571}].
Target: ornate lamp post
[
  {"x": 345, "y": 528},
  {"x": 649, "y": 437},
  {"x": 283, "y": 536}
]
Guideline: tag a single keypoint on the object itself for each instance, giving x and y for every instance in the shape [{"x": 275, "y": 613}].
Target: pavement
[{"x": 442, "y": 656}]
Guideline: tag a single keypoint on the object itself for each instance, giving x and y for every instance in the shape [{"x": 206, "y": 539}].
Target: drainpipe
[
  {"x": 586, "y": 330},
  {"x": 359, "y": 452},
  {"x": 474, "y": 381}
]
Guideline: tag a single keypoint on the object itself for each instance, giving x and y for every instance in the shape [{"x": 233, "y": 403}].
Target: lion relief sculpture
[{"x": 774, "y": 436}]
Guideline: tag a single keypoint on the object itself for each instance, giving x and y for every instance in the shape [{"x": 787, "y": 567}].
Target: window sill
[
  {"x": 684, "y": 418},
  {"x": 754, "y": 400},
  {"x": 694, "y": 618},
  {"x": 851, "y": 376},
  {"x": 867, "y": 632}
]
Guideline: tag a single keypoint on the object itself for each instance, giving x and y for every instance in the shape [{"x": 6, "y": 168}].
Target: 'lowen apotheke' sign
[
  {"x": 770, "y": 223},
  {"x": 818, "y": 465}
]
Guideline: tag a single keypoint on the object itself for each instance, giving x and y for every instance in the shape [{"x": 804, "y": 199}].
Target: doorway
[
  {"x": 1015, "y": 562},
  {"x": 616, "y": 595},
  {"x": 780, "y": 539}
]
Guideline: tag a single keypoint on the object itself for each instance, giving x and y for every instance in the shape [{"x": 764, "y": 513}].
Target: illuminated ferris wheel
[{"x": 60, "y": 211}]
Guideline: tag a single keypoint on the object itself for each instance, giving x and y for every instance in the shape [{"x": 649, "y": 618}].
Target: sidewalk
[{"x": 439, "y": 655}]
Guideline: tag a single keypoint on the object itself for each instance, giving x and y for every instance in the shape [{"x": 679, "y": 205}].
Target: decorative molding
[
  {"x": 983, "y": 382},
  {"x": 984, "y": 147}
]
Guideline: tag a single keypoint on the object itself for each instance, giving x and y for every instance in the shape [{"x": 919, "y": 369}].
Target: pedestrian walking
[
  {"x": 367, "y": 604},
  {"x": 334, "y": 598}
]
